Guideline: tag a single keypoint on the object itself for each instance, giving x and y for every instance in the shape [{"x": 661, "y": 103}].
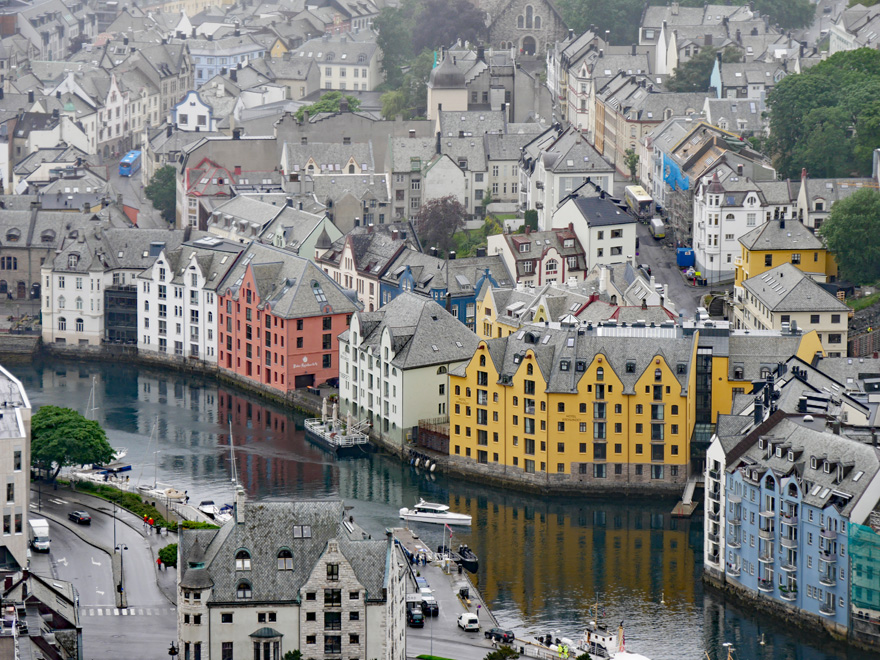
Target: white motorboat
[
  {"x": 601, "y": 642},
  {"x": 209, "y": 508},
  {"x": 431, "y": 512},
  {"x": 224, "y": 514}
]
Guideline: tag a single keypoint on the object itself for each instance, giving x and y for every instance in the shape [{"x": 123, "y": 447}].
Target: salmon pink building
[{"x": 279, "y": 317}]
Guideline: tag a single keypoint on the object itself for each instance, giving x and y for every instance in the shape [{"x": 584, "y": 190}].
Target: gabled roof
[
  {"x": 781, "y": 235},
  {"x": 788, "y": 289}
]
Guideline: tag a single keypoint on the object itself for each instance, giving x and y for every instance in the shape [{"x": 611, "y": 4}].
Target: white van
[
  {"x": 658, "y": 229},
  {"x": 38, "y": 534},
  {"x": 469, "y": 622}
]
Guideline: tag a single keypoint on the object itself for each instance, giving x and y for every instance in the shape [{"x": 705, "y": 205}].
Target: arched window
[
  {"x": 792, "y": 490},
  {"x": 243, "y": 560},
  {"x": 61, "y": 302},
  {"x": 658, "y": 374},
  {"x": 79, "y": 325},
  {"x": 351, "y": 169},
  {"x": 765, "y": 372},
  {"x": 441, "y": 370},
  {"x": 13, "y": 235},
  {"x": 537, "y": 22},
  {"x": 243, "y": 591},
  {"x": 613, "y": 300},
  {"x": 551, "y": 266},
  {"x": 729, "y": 216},
  {"x": 667, "y": 113},
  {"x": 520, "y": 21},
  {"x": 362, "y": 59},
  {"x": 529, "y": 369},
  {"x": 79, "y": 302},
  {"x": 285, "y": 560},
  {"x": 529, "y": 14},
  {"x": 62, "y": 323},
  {"x": 482, "y": 360},
  {"x": 738, "y": 373},
  {"x": 769, "y": 484},
  {"x": 600, "y": 374}
]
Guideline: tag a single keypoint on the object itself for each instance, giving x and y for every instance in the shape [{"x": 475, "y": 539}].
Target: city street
[
  {"x": 71, "y": 558},
  {"x": 132, "y": 192},
  {"x": 663, "y": 267}
]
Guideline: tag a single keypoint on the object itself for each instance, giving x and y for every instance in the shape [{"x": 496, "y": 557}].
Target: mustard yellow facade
[
  {"x": 278, "y": 48},
  {"x": 792, "y": 243},
  {"x": 600, "y": 431},
  {"x": 604, "y": 407}
]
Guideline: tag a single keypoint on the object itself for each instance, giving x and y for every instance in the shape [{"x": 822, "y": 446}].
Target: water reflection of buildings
[
  {"x": 535, "y": 551},
  {"x": 277, "y": 459}
]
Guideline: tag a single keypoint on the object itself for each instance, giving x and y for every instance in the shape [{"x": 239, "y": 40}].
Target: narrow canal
[{"x": 543, "y": 561}]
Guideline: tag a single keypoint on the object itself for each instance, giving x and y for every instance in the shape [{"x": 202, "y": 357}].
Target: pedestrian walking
[
  {"x": 151, "y": 522},
  {"x": 159, "y": 562},
  {"x": 145, "y": 521}
]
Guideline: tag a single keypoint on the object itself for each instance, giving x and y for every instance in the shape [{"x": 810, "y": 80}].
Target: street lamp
[
  {"x": 121, "y": 547},
  {"x": 173, "y": 650},
  {"x": 114, "y": 524}
]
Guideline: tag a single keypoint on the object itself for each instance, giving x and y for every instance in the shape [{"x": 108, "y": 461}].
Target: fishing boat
[
  {"x": 347, "y": 438},
  {"x": 432, "y": 512},
  {"x": 464, "y": 557},
  {"x": 600, "y": 641}
]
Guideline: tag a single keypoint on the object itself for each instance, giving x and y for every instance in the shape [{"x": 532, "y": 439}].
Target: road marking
[
  {"x": 115, "y": 611},
  {"x": 95, "y": 563},
  {"x": 63, "y": 560},
  {"x": 124, "y": 612},
  {"x": 99, "y": 592},
  {"x": 91, "y": 612},
  {"x": 100, "y": 612},
  {"x": 57, "y": 501}
]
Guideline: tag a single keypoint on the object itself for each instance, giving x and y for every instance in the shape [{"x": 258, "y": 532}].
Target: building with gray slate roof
[
  {"x": 422, "y": 342},
  {"x": 285, "y": 576}
]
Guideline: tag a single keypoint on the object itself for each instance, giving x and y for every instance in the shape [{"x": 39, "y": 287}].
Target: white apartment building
[
  {"x": 15, "y": 462},
  {"x": 177, "y": 304},
  {"x": 393, "y": 364},
  {"x": 726, "y": 208}
]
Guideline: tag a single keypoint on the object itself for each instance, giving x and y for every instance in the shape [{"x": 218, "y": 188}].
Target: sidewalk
[{"x": 166, "y": 579}]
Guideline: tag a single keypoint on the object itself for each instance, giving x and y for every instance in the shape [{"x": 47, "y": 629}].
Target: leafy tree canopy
[
  {"x": 410, "y": 97},
  {"x": 438, "y": 219},
  {"x": 852, "y": 232},
  {"x": 694, "y": 75},
  {"x": 168, "y": 554},
  {"x": 328, "y": 102},
  {"x": 61, "y": 437},
  {"x": 827, "y": 119},
  {"x": 502, "y": 653},
  {"x": 162, "y": 192}
]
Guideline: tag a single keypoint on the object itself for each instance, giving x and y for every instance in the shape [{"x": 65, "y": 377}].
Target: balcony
[
  {"x": 788, "y": 542},
  {"x": 733, "y": 543},
  {"x": 788, "y": 566},
  {"x": 713, "y": 557},
  {"x": 715, "y": 495},
  {"x": 828, "y": 534},
  {"x": 714, "y": 516},
  {"x": 827, "y": 609},
  {"x": 788, "y": 594},
  {"x": 766, "y": 533},
  {"x": 736, "y": 520},
  {"x": 733, "y": 571},
  {"x": 828, "y": 579},
  {"x": 714, "y": 474},
  {"x": 827, "y": 557},
  {"x": 787, "y": 519},
  {"x": 713, "y": 538},
  {"x": 738, "y": 261},
  {"x": 765, "y": 585},
  {"x": 766, "y": 558}
]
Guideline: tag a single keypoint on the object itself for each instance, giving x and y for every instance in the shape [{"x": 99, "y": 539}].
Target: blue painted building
[
  {"x": 781, "y": 492},
  {"x": 431, "y": 276}
]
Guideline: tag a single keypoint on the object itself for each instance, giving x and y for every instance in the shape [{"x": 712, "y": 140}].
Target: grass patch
[
  {"x": 128, "y": 501},
  {"x": 197, "y": 524},
  {"x": 861, "y": 303},
  {"x": 425, "y": 656}
]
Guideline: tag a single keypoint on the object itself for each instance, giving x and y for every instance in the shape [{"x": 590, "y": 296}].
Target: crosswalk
[{"x": 131, "y": 611}]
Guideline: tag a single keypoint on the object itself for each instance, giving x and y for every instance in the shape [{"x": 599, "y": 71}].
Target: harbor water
[{"x": 544, "y": 561}]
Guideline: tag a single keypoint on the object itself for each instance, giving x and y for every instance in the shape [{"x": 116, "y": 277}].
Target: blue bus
[{"x": 130, "y": 163}]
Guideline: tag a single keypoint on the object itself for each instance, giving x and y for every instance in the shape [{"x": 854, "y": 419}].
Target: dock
[{"x": 687, "y": 506}]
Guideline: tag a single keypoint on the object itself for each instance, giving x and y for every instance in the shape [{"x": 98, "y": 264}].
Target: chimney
[
  {"x": 168, "y": 131},
  {"x": 55, "y": 113},
  {"x": 194, "y": 31},
  {"x": 634, "y": 49},
  {"x": 233, "y": 75},
  {"x": 452, "y": 255},
  {"x": 601, "y": 52},
  {"x": 238, "y": 29},
  {"x": 759, "y": 411},
  {"x": 30, "y": 96},
  {"x": 1, "y": 93},
  {"x": 290, "y": 202},
  {"x": 58, "y": 95},
  {"x": 394, "y": 234},
  {"x": 239, "y": 503},
  {"x": 124, "y": 41},
  {"x": 236, "y": 133},
  {"x": 222, "y": 70},
  {"x": 300, "y": 206},
  {"x": 738, "y": 36},
  {"x": 439, "y": 142},
  {"x": 739, "y": 169},
  {"x": 343, "y": 104},
  {"x": 481, "y": 53},
  {"x": 803, "y": 169}
]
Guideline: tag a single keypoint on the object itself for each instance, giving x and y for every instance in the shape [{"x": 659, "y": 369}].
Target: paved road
[
  {"x": 663, "y": 267},
  {"x": 104, "y": 626},
  {"x": 132, "y": 189}
]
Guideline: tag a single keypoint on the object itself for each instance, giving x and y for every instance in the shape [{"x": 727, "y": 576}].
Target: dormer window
[
  {"x": 826, "y": 467},
  {"x": 525, "y": 247},
  {"x": 630, "y": 367},
  {"x": 779, "y": 452},
  {"x": 243, "y": 560},
  {"x": 243, "y": 591},
  {"x": 813, "y": 462},
  {"x": 790, "y": 456},
  {"x": 72, "y": 260},
  {"x": 285, "y": 560},
  {"x": 760, "y": 443},
  {"x": 564, "y": 365}
]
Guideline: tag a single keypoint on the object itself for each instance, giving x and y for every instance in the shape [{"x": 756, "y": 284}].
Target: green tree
[
  {"x": 442, "y": 22},
  {"x": 438, "y": 220},
  {"x": 631, "y": 160},
  {"x": 826, "y": 117},
  {"x": 530, "y": 218},
  {"x": 694, "y": 75},
  {"x": 409, "y": 99},
  {"x": 852, "y": 232},
  {"x": 394, "y": 27},
  {"x": 328, "y": 102},
  {"x": 168, "y": 554},
  {"x": 502, "y": 653},
  {"x": 293, "y": 655},
  {"x": 620, "y": 17},
  {"x": 583, "y": 656},
  {"x": 162, "y": 192},
  {"x": 61, "y": 437}
]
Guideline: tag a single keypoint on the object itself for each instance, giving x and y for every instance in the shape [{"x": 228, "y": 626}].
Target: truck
[
  {"x": 658, "y": 229},
  {"x": 38, "y": 534}
]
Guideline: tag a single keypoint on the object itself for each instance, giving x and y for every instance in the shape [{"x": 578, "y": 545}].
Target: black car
[
  {"x": 80, "y": 517},
  {"x": 501, "y": 635}
]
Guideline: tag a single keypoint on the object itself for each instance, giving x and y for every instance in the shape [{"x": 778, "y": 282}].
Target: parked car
[
  {"x": 414, "y": 618},
  {"x": 80, "y": 517},
  {"x": 422, "y": 583},
  {"x": 501, "y": 635},
  {"x": 646, "y": 268},
  {"x": 469, "y": 622},
  {"x": 430, "y": 606}
]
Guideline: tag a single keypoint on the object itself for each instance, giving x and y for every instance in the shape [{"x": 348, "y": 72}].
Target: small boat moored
[
  {"x": 209, "y": 508},
  {"x": 432, "y": 512},
  {"x": 331, "y": 433}
]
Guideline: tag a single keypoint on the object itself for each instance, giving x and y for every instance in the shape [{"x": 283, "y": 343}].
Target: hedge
[{"x": 127, "y": 500}]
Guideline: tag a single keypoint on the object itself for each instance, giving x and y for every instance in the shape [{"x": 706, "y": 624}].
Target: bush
[
  {"x": 293, "y": 655},
  {"x": 197, "y": 524},
  {"x": 502, "y": 653},
  {"x": 168, "y": 554},
  {"x": 126, "y": 500}
]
